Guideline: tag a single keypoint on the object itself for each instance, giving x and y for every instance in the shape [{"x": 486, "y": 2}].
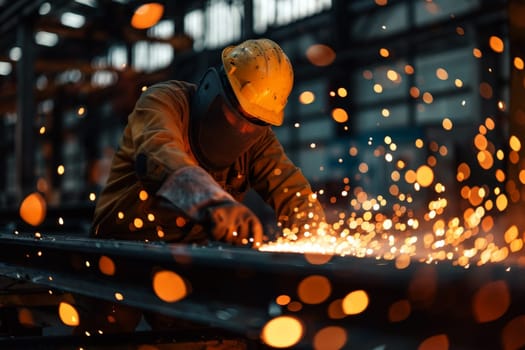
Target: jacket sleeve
[
  {"x": 283, "y": 186},
  {"x": 162, "y": 155},
  {"x": 156, "y": 126}
]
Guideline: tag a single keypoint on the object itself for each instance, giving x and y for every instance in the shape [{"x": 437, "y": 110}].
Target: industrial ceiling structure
[
  {"x": 54, "y": 32},
  {"x": 85, "y": 58},
  {"x": 68, "y": 55}
]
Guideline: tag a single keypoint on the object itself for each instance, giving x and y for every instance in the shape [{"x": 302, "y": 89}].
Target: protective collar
[{"x": 219, "y": 132}]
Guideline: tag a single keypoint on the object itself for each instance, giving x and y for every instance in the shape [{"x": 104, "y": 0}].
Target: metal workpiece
[{"x": 240, "y": 289}]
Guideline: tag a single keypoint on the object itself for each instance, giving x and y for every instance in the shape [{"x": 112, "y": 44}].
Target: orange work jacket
[{"x": 155, "y": 146}]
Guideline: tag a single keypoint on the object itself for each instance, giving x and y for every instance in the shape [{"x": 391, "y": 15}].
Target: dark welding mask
[{"x": 219, "y": 130}]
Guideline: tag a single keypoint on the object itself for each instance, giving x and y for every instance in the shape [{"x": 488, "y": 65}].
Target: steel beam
[{"x": 235, "y": 289}]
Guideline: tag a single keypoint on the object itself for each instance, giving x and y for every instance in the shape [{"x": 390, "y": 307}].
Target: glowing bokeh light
[
  {"x": 425, "y": 176},
  {"x": 342, "y": 92},
  {"x": 25, "y": 317},
  {"x": 402, "y": 261},
  {"x": 147, "y": 15},
  {"x": 502, "y": 202},
  {"x": 515, "y": 143},
  {"x": 496, "y": 44},
  {"x": 436, "y": 342},
  {"x": 414, "y": 92},
  {"x": 33, "y": 209},
  {"x": 393, "y": 75},
  {"x": 485, "y": 90},
  {"x": 320, "y": 55},
  {"x": 330, "y": 338},
  {"x": 143, "y": 195},
  {"x": 428, "y": 98},
  {"x": 399, "y": 311},
  {"x": 485, "y": 159},
  {"x": 355, "y": 302},
  {"x": 447, "y": 124},
  {"x": 282, "y": 332},
  {"x": 378, "y": 88},
  {"x": 106, "y": 265},
  {"x": 477, "y": 53},
  {"x": 169, "y": 286},
  {"x": 283, "y": 300},
  {"x": 339, "y": 115},
  {"x": 335, "y": 310},
  {"x": 294, "y": 306},
  {"x": 481, "y": 142},
  {"x": 518, "y": 63},
  {"x": 138, "y": 223},
  {"x": 491, "y": 301},
  {"x": 441, "y": 74},
  {"x": 314, "y": 289},
  {"x": 513, "y": 334},
  {"x": 306, "y": 97},
  {"x": 68, "y": 314},
  {"x": 317, "y": 259}
]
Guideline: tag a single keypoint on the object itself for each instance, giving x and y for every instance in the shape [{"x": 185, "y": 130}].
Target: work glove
[{"x": 234, "y": 223}]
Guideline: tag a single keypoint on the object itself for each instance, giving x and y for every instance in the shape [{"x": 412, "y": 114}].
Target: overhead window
[{"x": 268, "y": 13}]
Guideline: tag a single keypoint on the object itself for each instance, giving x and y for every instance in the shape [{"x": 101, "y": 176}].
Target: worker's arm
[
  {"x": 164, "y": 164},
  {"x": 157, "y": 133},
  {"x": 284, "y": 187}
]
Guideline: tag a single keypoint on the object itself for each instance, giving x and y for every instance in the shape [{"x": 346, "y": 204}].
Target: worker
[
  {"x": 187, "y": 157},
  {"x": 189, "y": 154}
]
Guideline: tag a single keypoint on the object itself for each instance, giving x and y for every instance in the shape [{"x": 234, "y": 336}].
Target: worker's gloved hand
[{"x": 234, "y": 223}]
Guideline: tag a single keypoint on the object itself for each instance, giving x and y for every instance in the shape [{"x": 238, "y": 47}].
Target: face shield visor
[{"x": 219, "y": 131}]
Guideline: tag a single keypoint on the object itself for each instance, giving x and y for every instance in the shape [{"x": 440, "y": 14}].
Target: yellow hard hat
[{"x": 261, "y": 77}]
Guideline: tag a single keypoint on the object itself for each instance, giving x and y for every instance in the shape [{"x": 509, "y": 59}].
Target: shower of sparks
[
  {"x": 470, "y": 238},
  {"x": 462, "y": 223}
]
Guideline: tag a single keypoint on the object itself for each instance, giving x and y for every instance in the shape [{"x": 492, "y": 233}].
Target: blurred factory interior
[
  {"x": 382, "y": 87},
  {"x": 71, "y": 72}
]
